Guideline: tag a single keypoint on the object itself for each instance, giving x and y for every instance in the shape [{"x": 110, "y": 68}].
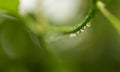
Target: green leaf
[{"x": 9, "y": 6}]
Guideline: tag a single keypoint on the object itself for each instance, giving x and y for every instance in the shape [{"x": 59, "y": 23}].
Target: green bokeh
[
  {"x": 95, "y": 50},
  {"x": 9, "y": 5}
]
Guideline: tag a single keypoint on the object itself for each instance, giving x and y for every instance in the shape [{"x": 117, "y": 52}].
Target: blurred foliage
[
  {"x": 95, "y": 50},
  {"x": 9, "y": 6}
]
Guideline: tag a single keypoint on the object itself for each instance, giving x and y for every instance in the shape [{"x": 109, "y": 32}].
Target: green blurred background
[{"x": 95, "y": 50}]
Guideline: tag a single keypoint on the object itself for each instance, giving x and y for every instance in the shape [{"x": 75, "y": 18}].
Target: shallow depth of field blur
[{"x": 97, "y": 49}]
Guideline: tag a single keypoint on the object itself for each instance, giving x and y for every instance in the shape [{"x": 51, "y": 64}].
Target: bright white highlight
[
  {"x": 61, "y": 10},
  {"x": 27, "y": 6},
  {"x": 58, "y": 11}
]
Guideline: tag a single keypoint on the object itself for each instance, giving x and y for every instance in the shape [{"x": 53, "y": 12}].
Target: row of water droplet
[{"x": 81, "y": 30}]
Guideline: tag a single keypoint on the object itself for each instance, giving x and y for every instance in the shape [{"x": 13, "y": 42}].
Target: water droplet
[
  {"x": 82, "y": 30},
  {"x": 73, "y": 35},
  {"x": 78, "y": 32},
  {"x": 88, "y": 25},
  {"x": 84, "y": 27}
]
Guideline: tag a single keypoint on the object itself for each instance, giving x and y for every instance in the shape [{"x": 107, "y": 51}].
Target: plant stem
[{"x": 115, "y": 21}]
